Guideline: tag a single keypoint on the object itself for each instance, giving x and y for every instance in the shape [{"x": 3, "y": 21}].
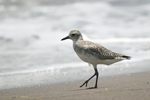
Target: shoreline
[
  {"x": 123, "y": 87},
  {"x": 62, "y": 75}
]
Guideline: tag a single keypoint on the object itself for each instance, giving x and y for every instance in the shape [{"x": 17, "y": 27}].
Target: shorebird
[{"x": 93, "y": 53}]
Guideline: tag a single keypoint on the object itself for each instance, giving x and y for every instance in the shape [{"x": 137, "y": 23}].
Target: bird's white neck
[{"x": 75, "y": 41}]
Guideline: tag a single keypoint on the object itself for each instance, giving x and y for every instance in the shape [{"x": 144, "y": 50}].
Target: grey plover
[{"x": 93, "y": 53}]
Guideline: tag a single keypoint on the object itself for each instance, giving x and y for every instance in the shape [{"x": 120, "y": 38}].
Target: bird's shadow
[{"x": 89, "y": 88}]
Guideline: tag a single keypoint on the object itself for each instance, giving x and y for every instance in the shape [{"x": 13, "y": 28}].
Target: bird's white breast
[{"x": 92, "y": 60}]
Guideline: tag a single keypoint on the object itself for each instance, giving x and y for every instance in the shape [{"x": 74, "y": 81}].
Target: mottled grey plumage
[
  {"x": 93, "y": 53},
  {"x": 95, "y": 50}
]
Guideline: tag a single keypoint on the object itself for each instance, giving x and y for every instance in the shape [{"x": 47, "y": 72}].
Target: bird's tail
[{"x": 126, "y": 57}]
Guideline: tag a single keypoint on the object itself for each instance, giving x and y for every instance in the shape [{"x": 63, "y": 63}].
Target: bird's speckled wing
[{"x": 95, "y": 50}]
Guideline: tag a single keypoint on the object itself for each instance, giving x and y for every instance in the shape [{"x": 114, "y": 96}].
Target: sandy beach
[{"x": 124, "y": 87}]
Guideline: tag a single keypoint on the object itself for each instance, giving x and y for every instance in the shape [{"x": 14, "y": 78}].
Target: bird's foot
[
  {"x": 86, "y": 82},
  {"x": 92, "y": 88}
]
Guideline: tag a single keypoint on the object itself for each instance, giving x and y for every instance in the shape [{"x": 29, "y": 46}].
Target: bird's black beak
[{"x": 65, "y": 38}]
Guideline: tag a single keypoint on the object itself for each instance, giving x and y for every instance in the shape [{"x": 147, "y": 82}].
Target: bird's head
[{"x": 74, "y": 35}]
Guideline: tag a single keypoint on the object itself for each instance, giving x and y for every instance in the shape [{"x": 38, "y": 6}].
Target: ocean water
[{"x": 30, "y": 33}]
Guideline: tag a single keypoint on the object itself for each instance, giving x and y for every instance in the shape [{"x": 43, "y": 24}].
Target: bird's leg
[
  {"x": 86, "y": 82},
  {"x": 96, "y": 73}
]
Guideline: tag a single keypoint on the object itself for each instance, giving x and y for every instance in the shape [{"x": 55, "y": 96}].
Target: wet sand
[{"x": 123, "y": 87}]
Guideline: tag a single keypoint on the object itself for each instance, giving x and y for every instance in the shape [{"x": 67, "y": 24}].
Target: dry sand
[{"x": 124, "y": 87}]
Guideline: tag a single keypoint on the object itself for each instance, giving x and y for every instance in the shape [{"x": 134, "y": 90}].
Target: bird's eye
[{"x": 72, "y": 34}]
